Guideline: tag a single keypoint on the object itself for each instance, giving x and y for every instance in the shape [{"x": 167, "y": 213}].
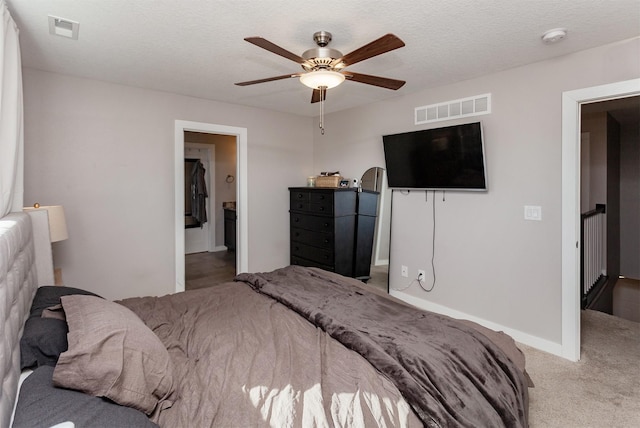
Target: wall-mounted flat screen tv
[{"x": 448, "y": 158}]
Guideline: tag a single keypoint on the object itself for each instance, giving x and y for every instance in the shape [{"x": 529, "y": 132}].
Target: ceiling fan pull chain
[{"x": 323, "y": 92}]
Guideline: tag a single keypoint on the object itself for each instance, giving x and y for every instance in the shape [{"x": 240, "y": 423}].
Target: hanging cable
[{"x": 433, "y": 247}]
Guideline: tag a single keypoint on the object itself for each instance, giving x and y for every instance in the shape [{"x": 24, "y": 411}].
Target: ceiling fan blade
[
  {"x": 268, "y": 79},
  {"x": 383, "y": 82},
  {"x": 318, "y": 95},
  {"x": 266, "y": 44},
  {"x": 386, "y": 43}
]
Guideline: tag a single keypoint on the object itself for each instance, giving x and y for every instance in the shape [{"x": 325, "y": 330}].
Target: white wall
[
  {"x": 491, "y": 264},
  {"x": 595, "y": 124},
  {"x": 105, "y": 152}
]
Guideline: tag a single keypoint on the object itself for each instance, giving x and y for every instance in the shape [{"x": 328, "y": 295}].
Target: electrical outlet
[
  {"x": 405, "y": 271},
  {"x": 421, "y": 275}
]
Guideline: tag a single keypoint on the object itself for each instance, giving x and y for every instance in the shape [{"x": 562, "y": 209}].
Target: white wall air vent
[
  {"x": 63, "y": 27},
  {"x": 464, "y": 107}
]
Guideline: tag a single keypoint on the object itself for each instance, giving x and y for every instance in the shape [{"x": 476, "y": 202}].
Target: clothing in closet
[{"x": 199, "y": 193}]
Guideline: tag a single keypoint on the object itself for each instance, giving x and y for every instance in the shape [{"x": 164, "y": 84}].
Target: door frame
[
  {"x": 242, "y": 238},
  {"x": 571, "y": 106}
]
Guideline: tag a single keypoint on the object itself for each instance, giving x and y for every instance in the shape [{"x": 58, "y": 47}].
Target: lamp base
[{"x": 57, "y": 276}]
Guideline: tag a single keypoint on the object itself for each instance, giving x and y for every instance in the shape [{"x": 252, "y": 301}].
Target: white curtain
[{"x": 11, "y": 125}]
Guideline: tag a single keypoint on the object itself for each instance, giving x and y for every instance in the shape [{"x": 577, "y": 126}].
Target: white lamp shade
[
  {"x": 57, "y": 221},
  {"x": 326, "y": 78}
]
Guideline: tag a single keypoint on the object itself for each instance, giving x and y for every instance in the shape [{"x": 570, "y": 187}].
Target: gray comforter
[
  {"x": 242, "y": 359},
  {"x": 451, "y": 375}
]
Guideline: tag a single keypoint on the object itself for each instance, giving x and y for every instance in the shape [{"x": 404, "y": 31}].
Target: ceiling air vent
[
  {"x": 464, "y": 107},
  {"x": 63, "y": 27}
]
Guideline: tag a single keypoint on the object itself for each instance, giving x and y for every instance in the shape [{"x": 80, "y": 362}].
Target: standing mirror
[{"x": 375, "y": 179}]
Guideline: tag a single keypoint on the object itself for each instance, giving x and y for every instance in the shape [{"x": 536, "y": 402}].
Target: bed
[{"x": 293, "y": 347}]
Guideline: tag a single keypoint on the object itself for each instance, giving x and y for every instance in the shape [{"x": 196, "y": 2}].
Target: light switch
[{"x": 533, "y": 212}]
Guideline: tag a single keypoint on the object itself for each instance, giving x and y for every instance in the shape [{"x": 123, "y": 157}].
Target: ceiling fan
[{"x": 324, "y": 67}]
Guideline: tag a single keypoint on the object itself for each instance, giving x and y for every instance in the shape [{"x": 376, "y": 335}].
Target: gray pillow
[
  {"x": 113, "y": 354},
  {"x": 44, "y": 339},
  {"x": 40, "y": 404}
]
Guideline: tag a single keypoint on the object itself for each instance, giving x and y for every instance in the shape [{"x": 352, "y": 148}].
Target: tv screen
[{"x": 449, "y": 158}]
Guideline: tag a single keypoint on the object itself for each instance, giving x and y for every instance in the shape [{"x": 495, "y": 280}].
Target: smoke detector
[
  {"x": 554, "y": 36},
  {"x": 63, "y": 27}
]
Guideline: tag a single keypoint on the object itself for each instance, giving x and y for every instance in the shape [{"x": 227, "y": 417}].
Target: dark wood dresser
[{"x": 332, "y": 228}]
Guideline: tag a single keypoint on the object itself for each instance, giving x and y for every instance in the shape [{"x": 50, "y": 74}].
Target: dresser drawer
[
  {"x": 299, "y": 200},
  {"x": 309, "y": 222},
  {"x": 321, "y": 197},
  {"x": 316, "y": 239},
  {"x": 316, "y": 202},
  {"x": 315, "y": 254},
  {"x": 322, "y": 208}
]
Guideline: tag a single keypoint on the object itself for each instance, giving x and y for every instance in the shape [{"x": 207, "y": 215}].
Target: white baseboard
[{"x": 518, "y": 336}]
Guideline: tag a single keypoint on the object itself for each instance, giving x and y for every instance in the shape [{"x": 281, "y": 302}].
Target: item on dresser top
[
  {"x": 44, "y": 339},
  {"x": 328, "y": 181}
]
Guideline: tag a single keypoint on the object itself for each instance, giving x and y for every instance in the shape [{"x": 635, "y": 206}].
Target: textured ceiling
[{"x": 196, "y": 47}]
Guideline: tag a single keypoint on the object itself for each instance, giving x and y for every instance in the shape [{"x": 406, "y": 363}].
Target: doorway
[
  {"x": 210, "y": 170},
  {"x": 240, "y": 135},
  {"x": 571, "y": 107}
]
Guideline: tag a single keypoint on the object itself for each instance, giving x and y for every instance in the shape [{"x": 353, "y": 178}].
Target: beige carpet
[
  {"x": 601, "y": 390},
  {"x": 626, "y": 299}
]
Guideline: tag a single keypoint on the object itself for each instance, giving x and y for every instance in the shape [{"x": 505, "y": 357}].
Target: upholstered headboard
[{"x": 18, "y": 283}]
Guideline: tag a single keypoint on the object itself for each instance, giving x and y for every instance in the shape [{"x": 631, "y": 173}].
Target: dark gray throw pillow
[
  {"x": 44, "y": 339},
  {"x": 40, "y": 404},
  {"x": 49, "y": 295}
]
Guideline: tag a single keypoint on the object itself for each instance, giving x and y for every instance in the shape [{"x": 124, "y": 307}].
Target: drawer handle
[
  {"x": 296, "y": 249},
  {"x": 321, "y": 197},
  {"x": 300, "y": 195},
  {"x": 300, "y": 206},
  {"x": 326, "y": 225},
  {"x": 296, "y": 219},
  {"x": 321, "y": 208},
  {"x": 297, "y": 234},
  {"x": 326, "y": 241}
]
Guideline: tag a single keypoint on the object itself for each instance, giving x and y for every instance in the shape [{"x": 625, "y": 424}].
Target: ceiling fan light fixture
[{"x": 322, "y": 78}]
